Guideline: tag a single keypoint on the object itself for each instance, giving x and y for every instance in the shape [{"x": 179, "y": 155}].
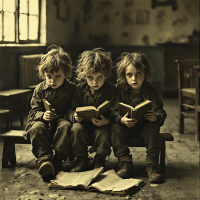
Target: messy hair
[
  {"x": 92, "y": 62},
  {"x": 53, "y": 61},
  {"x": 138, "y": 60}
]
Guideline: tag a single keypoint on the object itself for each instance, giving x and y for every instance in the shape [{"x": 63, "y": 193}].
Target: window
[{"x": 19, "y": 21}]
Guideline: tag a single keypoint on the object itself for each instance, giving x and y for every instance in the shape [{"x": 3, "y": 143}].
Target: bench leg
[
  {"x": 8, "y": 154},
  {"x": 162, "y": 156}
]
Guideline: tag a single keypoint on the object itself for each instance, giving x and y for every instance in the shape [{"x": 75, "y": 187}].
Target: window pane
[
  {"x": 0, "y": 27},
  {"x": 33, "y": 7},
  {"x": 9, "y": 5},
  {"x": 9, "y": 27},
  {"x": 23, "y": 6},
  {"x": 0, "y": 4},
  {"x": 33, "y": 27},
  {"x": 23, "y": 27}
]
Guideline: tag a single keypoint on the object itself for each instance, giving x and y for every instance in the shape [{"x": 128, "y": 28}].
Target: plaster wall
[{"x": 122, "y": 22}]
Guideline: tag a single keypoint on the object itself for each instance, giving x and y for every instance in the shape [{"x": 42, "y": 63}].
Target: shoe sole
[
  {"x": 158, "y": 180},
  {"x": 46, "y": 169}
]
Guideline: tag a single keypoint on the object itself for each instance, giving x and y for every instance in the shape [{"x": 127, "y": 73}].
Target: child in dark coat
[
  {"x": 54, "y": 67},
  {"x": 134, "y": 75},
  {"x": 93, "y": 67}
]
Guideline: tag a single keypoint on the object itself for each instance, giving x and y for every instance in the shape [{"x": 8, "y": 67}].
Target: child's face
[
  {"x": 96, "y": 81},
  {"x": 56, "y": 79},
  {"x": 134, "y": 77}
]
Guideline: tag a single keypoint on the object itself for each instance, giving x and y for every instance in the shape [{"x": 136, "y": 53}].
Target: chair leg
[
  {"x": 8, "y": 154},
  {"x": 162, "y": 156}
]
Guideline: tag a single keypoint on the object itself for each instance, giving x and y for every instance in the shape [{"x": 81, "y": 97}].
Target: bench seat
[{"x": 13, "y": 137}]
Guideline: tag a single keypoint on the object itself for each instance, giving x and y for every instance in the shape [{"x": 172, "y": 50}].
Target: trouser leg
[
  {"x": 41, "y": 137},
  {"x": 102, "y": 140},
  {"x": 151, "y": 136},
  {"x": 60, "y": 141},
  {"x": 119, "y": 135},
  {"x": 78, "y": 140}
]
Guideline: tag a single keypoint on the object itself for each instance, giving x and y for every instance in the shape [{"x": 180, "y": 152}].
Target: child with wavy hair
[
  {"x": 93, "y": 68},
  {"x": 134, "y": 74},
  {"x": 54, "y": 68}
]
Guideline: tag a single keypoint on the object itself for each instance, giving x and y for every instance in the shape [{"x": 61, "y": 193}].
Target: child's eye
[
  {"x": 139, "y": 74},
  {"x": 49, "y": 76},
  {"x": 100, "y": 77},
  {"x": 129, "y": 74},
  {"x": 90, "y": 77},
  {"x": 57, "y": 76}
]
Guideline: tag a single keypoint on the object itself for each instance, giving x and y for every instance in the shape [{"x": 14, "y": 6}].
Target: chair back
[{"x": 186, "y": 73}]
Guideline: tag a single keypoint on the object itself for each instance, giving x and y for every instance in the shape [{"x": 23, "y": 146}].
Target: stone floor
[{"x": 181, "y": 175}]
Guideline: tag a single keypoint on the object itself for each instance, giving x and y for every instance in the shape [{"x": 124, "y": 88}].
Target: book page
[
  {"x": 75, "y": 179},
  {"x": 106, "y": 181},
  {"x": 142, "y": 104},
  {"x": 104, "y": 103},
  {"x": 126, "y": 105},
  {"x": 85, "y": 108}
]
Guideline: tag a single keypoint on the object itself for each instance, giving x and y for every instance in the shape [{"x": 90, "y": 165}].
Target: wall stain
[
  {"x": 99, "y": 39},
  {"x": 104, "y": 5},
  {"x": 125, "y": 34},
  {"x": 145, "y": 39},
  {"x": 160, "y": 18},
  {"x": 77, "y": 25},
  {"x": 106, "y": 19},
  {"x": 87, "y": 7},
  {"x": 179, "y": 22},
  {"x": 128, "y": 4},
  {"x": 127, "y": 19}
]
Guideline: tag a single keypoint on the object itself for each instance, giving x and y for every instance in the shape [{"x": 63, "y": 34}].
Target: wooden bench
[{"x": 13, "y": 137}]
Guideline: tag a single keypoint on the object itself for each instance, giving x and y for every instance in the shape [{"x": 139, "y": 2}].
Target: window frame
[{"x": 16, "y": 28}]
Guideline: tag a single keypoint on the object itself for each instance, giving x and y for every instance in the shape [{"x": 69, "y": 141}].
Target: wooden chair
[
  {"x": 186, "y": 90},
  {"x": 197, "y": 103},
  {"x": 19, "y": 96}
]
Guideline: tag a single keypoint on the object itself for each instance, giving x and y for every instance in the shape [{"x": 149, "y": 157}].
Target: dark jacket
[
  {"x": 125, "y": 95},
  {"x": 59, "y": 98},
  {"x": 83, "y": 97}
]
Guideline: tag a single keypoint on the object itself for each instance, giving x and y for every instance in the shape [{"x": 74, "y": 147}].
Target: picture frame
[{"x": 172, "y": 3}]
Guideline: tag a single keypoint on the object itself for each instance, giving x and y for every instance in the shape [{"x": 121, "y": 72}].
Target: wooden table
[
  {"x": 6, "y": 114},
  {"x": 20, "y": 98},
  {"x": 197, "y": 103}
]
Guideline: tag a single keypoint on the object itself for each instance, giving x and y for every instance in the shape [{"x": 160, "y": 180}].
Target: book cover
[
  {"x": 137, "y": 111},
  {"x": 90, "y": 111},
  {"x": 47, "y": 106}
]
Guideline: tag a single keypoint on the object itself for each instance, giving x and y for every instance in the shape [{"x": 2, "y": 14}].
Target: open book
[
  {"x": 137, "y": 112},
  {"x": 108, "y": 182},
  {"x": 79, "y": 180},
  {"x": 47, "y": 106},
  {"x": 90, "y": 111}
]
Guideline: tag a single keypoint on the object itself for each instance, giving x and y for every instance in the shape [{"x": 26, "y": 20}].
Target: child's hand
[
  {"x": 49, "y": 115},
  {"x": 129, "y": 122},
  {"x": 151, "y": 116},
  {"x": 77, "y": 118},
  {"x": 100, "y": 122}
]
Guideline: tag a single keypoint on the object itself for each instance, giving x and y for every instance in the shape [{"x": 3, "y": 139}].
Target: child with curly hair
[
  {"x": 134, "y": 74},
  {"x": 93, "y": 68},
  {"x": 54, "y": 67}
]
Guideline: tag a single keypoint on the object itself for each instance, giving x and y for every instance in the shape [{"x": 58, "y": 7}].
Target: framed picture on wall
[{"x": 164, "y": 3}]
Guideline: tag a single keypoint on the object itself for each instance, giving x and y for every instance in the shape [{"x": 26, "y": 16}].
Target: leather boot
[
  {"x": 82, "y": 164},
  {"x": 99, "y": 161},
  {"x": 46, "y": 170},
  {"x": 154, "y": 173},
  {"x": 125, "y": 166}
]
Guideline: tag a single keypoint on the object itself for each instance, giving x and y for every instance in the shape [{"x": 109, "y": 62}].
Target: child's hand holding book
[
  {"x": 129, "y": 122},
  {"x": 77, "y": 118},
  {"x": 100, "y": 122},
  {"x": 151, "y": 116},
  {"x": 49, "y": 115}
]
